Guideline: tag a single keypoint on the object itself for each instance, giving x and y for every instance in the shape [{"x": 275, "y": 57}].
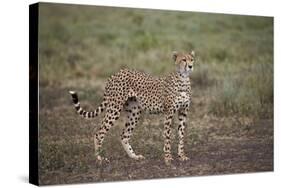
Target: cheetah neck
[
  {"x": 182, "y": 77},
  {"x": 183, "y": 82},
  {"x": 177, "y": 83}
]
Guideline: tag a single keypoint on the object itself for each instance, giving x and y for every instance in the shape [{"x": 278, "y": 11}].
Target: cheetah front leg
[
  {"x": 167, "y": 138},
  {"x": 182, "y": 124},
  {"x": 133, "y": 113}
]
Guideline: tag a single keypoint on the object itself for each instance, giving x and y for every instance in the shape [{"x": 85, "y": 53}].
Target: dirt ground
[{"x": 215, "y": 145}]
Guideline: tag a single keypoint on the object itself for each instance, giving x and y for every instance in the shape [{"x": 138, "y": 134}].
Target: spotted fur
[{"x": 135, "y": 92}]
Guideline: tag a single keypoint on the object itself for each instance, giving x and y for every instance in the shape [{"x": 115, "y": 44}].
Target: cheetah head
[{"x": 184, "y": 62}]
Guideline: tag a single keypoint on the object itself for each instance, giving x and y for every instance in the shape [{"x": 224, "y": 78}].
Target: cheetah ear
[
  {"x": 192, "y": 53},
  {"x": 175, "y": 55}
]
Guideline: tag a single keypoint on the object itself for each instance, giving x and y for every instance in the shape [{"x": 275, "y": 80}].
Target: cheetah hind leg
[
  {"x": 110, "y": 117},
  {"x": 133, "y": 113}
]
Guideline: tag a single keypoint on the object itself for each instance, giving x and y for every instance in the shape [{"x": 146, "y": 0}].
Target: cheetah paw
[
  {"x": 140, "y": 157},
  {"x": 102, "y": 159},
  {"x": 168, "y": 159},
  {"x": 184, "y": 158}
]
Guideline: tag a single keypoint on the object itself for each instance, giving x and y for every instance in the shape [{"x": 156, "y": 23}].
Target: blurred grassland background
[
  {"x": 235, "y": 53},
  {"x": 81, "y": 46}
]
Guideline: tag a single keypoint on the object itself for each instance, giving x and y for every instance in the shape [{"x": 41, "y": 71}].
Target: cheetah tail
[{"x": 81, "y": 111}]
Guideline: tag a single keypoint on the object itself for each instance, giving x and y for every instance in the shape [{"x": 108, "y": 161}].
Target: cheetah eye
[
  {"x": 184, "y": 60},
  {"x": 192, "y": 59}
]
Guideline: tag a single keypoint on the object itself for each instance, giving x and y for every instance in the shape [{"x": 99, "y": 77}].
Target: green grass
[{"x": 248, "y": 92}]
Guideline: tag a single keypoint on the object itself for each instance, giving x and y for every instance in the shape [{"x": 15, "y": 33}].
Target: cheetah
[{"x": 135, "y": 92}]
